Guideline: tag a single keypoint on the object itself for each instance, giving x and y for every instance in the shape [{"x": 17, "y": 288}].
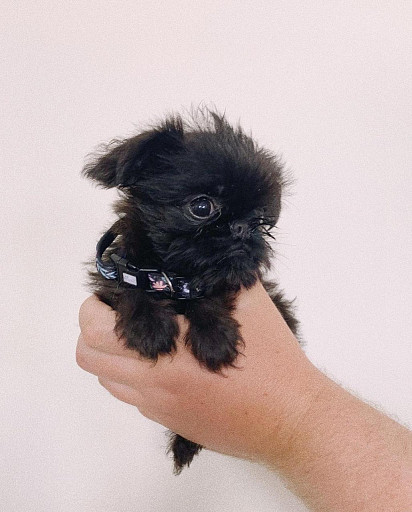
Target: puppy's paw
[
  {"x": 150, "y": 339},
  {"x": 148, "y": 327},
  {"x": 215, "y": 346}
]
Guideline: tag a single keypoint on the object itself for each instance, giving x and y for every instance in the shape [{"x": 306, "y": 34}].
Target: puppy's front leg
[
  {"x": 149, "y": 326},
  {"x": 213, "y": 334}
]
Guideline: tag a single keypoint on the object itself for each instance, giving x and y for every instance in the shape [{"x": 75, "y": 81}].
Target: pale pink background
[{"x": 328, "y": 85}]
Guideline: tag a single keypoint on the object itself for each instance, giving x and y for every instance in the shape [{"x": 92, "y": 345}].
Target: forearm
[
  {"x": 336, "y": 452},
  {"x": 346, "y": 456}
]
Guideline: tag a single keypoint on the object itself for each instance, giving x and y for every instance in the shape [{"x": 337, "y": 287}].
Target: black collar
[{"x": 151, "y": 280}]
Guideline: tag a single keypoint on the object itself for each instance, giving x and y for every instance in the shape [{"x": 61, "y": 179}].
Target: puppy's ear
[{"x": 122, "y": 163}]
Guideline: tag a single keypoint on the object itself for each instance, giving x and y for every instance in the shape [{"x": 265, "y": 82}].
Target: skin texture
[{"x": 275, "y": 407}]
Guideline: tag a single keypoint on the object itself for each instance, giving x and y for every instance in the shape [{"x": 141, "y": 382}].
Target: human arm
[{"x": 276, "y": 408}]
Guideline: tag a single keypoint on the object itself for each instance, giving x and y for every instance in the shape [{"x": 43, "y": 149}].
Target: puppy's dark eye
[{"x": 201, "y": 207}]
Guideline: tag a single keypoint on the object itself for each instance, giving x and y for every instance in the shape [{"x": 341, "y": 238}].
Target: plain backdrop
[{"x": 326, "y": 84}]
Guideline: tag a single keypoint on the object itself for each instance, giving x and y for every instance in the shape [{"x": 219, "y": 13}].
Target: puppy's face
[{"x": 205, "y": 197}]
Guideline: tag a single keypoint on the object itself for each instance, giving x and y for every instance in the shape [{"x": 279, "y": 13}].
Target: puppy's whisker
[
  {"x": 198, "y": 232},
  {"x": 271, "y": 236}
]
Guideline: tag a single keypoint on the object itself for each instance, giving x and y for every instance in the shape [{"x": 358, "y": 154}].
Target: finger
[
  {"x": 122, "y": 392},
  {"x": 133, "y": 397},
  {"x": 94, "y": 311},
  {"x": 125, "y": 370},
  {"x": 97, "y": 323}
]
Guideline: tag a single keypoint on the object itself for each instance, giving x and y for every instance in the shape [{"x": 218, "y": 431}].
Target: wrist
[
  {"x": 281, "y": 382},
  {"x": 283, "y": 428}
]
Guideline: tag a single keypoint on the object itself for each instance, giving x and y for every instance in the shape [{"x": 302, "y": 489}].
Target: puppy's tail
[{"x": 183, "y": 451}]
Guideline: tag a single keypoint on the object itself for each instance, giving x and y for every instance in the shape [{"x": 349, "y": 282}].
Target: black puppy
[{"x": 199, "y": 199}]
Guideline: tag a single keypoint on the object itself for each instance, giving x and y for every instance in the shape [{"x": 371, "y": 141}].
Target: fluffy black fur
[{"x": 160, "y": 172}]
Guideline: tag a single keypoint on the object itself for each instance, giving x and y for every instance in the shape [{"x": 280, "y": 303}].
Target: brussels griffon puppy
[{"x": 198, "y": 201}]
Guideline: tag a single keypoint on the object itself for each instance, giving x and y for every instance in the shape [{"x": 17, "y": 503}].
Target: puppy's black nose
[{"x": 240, "y": 229}]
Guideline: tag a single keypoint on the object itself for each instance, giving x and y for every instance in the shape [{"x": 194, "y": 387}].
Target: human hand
[
  {"x": 275, "y": 407},
  {"x": 248, "y": 411}
]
